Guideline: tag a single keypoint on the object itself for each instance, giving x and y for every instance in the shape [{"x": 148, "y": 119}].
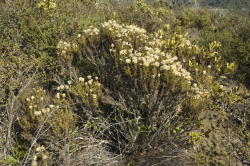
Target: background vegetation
[
  {"x": 233, "y": 4},
  {"x": 104, "y": 82}
]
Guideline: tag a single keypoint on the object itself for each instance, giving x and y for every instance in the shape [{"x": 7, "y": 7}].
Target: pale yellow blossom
[
  {"x": 81, "y": 79},
  {"x": 128, "y": 60},
  {"x": 61, "y": 87},
  {"x": 58, "y": 95},
  {"x": 36, "y": 113}
]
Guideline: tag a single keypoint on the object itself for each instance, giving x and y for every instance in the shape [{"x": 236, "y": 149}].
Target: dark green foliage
[
  {"x": 231, "y": 30},
  {"x": 235, "y": 4}
]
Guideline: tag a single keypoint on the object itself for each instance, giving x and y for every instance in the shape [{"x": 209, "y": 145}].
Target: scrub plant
[
  {"x": 124, "y": 92},
  {"x": 163, "y": 79},
  {"x": 17, "y": 70}
]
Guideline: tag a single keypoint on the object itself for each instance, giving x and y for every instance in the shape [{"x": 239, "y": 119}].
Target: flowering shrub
[
  {"x": 162, "y": 77},
  {"x": 45, "y": 120},
  {"x": 122, "y": 92}
]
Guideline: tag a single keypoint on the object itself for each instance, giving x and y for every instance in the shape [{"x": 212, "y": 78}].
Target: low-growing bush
[{"x": 83, "y": 83}]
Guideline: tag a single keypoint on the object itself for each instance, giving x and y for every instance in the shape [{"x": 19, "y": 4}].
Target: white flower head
[
  {"x": 47, "y": 110},
  {"x": 146, "y": 64},
  {"x": 30, "y": 107},
  {"x": 196, "y": 97},
  {"x": 134, "y": 61},
  {"x": 81, "y": 79},
  {"x": 128, "y": 60},
  {"x": 51, "y": 106},
  {"x": 38, "y": 149},
  {"x": 188, "y": 78},
  {"x": 90, "y": 82},
  {"x": 94, "y": 96},
  {"x": 41, "y": 99},
  {"x": 32, "y": 97},
  {"x": 79, "y": 35},
  {"x": 157, "y": 64},
  {"x": 37, "y": 113},
  {"x": 204, "y": 72},
  {"x": 44, "y": 111},
  {"x": 28, "y": 99},
  {"x": 42, "y": 148},
  {"x": 89, "y": 77},
  {"x": 34, "y": 163},
  {"x": 44, "y": 156},
  {"x": 58, "y": 95},
  {"x": 66, "y": 87},
  {"x": 69, "y": 82},
  {"x": 96, "y": 78},
  {"x": 63, "y": 95},
  {"x": 98, "y": 84},
  {"x": 209, "y": 66},
  {"x": 61, "y": 87},
  {"x": 221, "y": 86},
  {"x": 195, "y": 85}
]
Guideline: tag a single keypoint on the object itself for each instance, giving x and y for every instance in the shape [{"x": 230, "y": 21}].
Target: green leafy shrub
[
  {"x": 197, "y": 19},
  {"x": 143, "y": 15}
]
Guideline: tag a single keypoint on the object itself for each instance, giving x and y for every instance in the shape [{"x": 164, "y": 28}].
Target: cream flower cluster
[
  {"x": 38, "y": 149},
  {"x": 45, "y": 110},
  {"x": 160, "y": 59},
  {"x": 91, "y": 31},
  {"x": 121, "y": 31},
  {"x": 33, "y": 106},
  {"x": 147, "y": 55},
  {"x": 44, "y": 156},
  {"x": 34, "y": 102},
  {"x": 187, "y": 43},
  {"x": 34, "y": 162},
  {"x": 63, "y": 87},
  {"x": 89, "y": 82},
  {"x": 199, "y": 91},
  {"x": 148, "y": 52},
  {"x": 63, "y": 45},
  {"x": 59, "y": 95}
]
